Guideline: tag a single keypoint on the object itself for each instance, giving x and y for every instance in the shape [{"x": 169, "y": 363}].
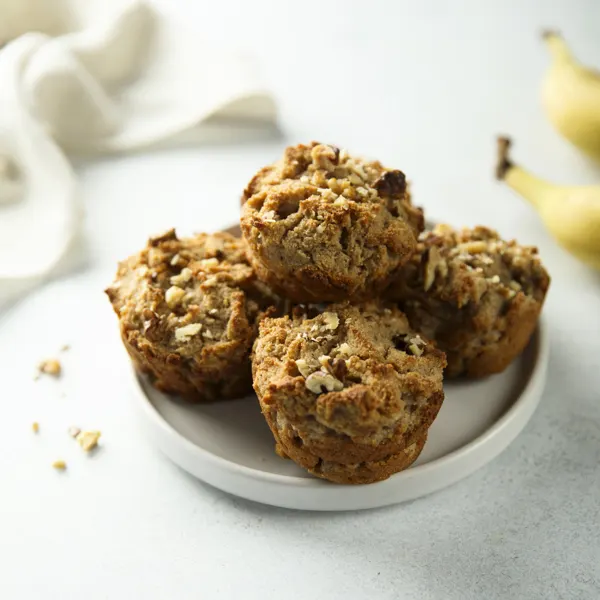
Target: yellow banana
[
  {"x": 571, "y": 97},
  {"x": 571, "y": 213}
]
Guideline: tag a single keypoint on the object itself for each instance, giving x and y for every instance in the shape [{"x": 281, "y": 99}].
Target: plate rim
[{"x": 530, "y": 394}]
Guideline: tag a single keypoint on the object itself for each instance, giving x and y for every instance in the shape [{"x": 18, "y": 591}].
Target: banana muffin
[
  {"x": 323, "y": 226},
  {"x": 479, "y": 297},
  {"x": 188, "y": 311},
  {"x": 349, "y": 393}
]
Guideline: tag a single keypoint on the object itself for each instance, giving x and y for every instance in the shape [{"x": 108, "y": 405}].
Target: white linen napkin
[{"x": 89, "y": 76}]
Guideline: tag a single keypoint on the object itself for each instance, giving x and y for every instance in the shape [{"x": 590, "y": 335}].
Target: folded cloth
[{"x": 98, "y": 76}]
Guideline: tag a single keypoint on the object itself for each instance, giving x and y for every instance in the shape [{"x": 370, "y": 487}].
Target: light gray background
[{"x": 424, "y": 87}]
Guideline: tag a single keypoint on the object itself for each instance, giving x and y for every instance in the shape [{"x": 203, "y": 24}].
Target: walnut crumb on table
[
  {"x": 50, "y": 366},
  {"x": 59, "y": 465},
  {"x": 88, "y": 440},
  {"x": 73, "y": 431}
]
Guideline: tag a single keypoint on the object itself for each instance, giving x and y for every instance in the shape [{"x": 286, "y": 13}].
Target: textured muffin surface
[
  {"x": 476, "y": 295},
  {"x": 349, "y": 393},
  {"x": 187, "y": 310},
  {"x": 322, "y": 225}
]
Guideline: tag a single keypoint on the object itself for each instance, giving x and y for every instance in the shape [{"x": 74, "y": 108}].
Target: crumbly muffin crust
[
  {"x": 476, "y": 295},
  {"x": 187, "y": 310},
  {"x": 348, "y": 392},
  {"x": 368, "y": 471},
  {"x": 322, "y": 225}
]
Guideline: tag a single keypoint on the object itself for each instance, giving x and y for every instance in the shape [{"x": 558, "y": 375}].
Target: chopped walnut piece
[
  {"x": 183, "y": 334},
  {"x": 183, "y": 277},
  {"x": 473, "y": 247},
  {"x": 320, "y": 382},
  {"x": 163, "y": 237},
  {"x": 355, "y": 179},
  {"x": 325, "y": 362},
  {"x": 88, "y": 440},
  {"x": 345, "y": 348},
  {"x": 50, "y": 367},
  {"x": 173, "y": 296},
  {"x": 331, "y": 320},
  {"x": 435, "y": 263},
  {"x": 209, "y": 262},
  {"x": 325, "y": 157},
  {"x": 215, "y": 246},
  {"x": 391, "y": 183},
  {"x": 339, "y": 369},
  {"x": 416, "y": 345},
  {"x": 303, "y": 367},
  {"x": 73, "y": 431},
  {"x": 410, "y": 344},
  {"x": 515, "y": 285}
]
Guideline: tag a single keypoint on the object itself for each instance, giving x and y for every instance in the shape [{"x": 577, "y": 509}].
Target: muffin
[
  {"x": 349, "y": 393},
  {"x": 479, "y": 297},
  {"x": 188, "y": 311},
  {"x": 322, "y": 226}
]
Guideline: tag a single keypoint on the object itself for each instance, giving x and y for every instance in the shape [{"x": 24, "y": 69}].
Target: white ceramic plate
[{"x": 229, "y": 445}]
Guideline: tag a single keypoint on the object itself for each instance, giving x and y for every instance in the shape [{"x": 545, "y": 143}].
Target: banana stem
[
  {"x": 529, "y": 186},
  {"x": 557, "y": 46},
  {"x": 503, "y": 163}
]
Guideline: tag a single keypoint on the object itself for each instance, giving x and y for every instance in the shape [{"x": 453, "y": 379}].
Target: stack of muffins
[{"x": 335, "y": 305}]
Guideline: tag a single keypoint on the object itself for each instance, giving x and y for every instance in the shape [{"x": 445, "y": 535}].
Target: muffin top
[
  {"x": 188, "y": 294},
  {"x": 357, "y": 369},
  {"x": 335, "y": 177},
  {"x": 460, "y": 266}
]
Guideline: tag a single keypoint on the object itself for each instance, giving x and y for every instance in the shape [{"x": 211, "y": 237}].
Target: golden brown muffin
[
  {"x": 350, "y": 393},
  {"x": 188, "y": 311},
  {"x": 476, "y": 295},
  {"x": 322, "y": 225}
]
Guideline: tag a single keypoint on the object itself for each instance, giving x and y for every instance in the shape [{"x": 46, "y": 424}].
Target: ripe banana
[
  {"x": 571, "y": 213},
  {"x": 571, "y": 97}
]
